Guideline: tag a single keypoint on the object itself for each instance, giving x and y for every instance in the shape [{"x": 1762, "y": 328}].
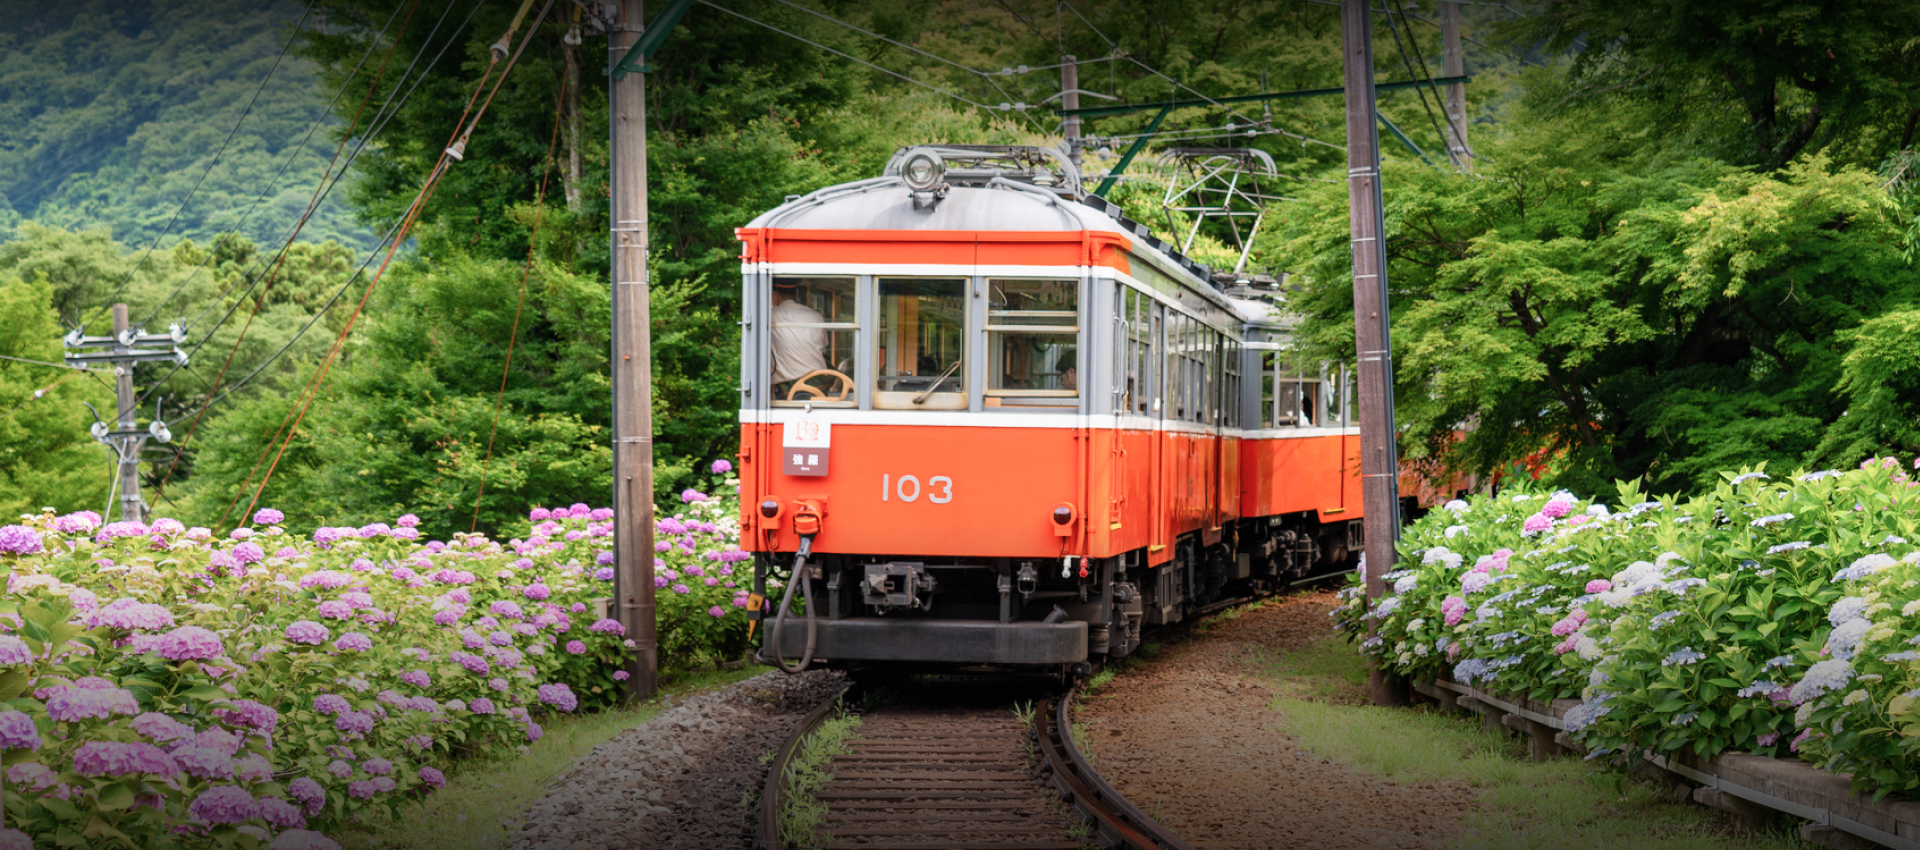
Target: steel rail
[
  {"x": 1118, "y": 822},
  {"x": 773, "y": 796}
]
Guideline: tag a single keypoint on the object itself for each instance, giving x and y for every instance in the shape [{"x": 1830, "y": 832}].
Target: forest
[{"x": 1686, "y": 242}]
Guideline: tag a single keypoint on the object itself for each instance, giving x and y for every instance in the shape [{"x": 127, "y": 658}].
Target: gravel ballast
[
  {"x": 682, "y": 780},
  {"x": 1193, "y": 740}
]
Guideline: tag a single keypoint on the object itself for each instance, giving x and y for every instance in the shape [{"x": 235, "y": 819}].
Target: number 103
[{"x": 939, "y": 489}]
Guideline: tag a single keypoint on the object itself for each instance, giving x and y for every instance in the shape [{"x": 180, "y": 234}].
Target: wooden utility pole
[
  {"x": 1454, "y": 64},
  {"x": 1379, "y": 456},
  {"x": 570, "y": 51},
  {"x": 632, "y": 365},
  {"x": 125, "y": 437},
  {"x": 131, "y": 508},
  {"x": 1070, "y": 100}
]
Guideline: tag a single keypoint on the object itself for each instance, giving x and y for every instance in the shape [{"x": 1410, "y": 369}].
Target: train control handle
[{"x": 799, "y": 577}]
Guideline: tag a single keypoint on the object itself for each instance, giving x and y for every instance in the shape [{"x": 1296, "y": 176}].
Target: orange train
[{"x": 990, "y": 421}]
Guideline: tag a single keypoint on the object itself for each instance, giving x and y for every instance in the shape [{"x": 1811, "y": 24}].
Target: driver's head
[{"x": 784, "y": 291}]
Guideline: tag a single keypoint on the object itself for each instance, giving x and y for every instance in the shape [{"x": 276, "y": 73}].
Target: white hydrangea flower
[
  {"x": 1910, "y": 609},
  {"x": 1846, "y": 637},
  {"x": 1864, "y": 567},
  {"x": 1457, "y": 530},
  {"x": 1406, "y": 584},
  {"x": 1855, "y": 698},
  {"x": 1457, "y": 506},
  {"x": 1848, "y": 608},
  {"x": 1822, "y": 678},
  {"x": 1588, "y": 649}
]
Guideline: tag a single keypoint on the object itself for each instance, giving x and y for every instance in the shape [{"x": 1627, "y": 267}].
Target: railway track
[{"x": 962, "y": 764}]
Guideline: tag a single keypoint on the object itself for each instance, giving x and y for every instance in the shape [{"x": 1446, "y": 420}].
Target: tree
[
  {"x": 47, "y": 456},
  {"x": 1805, "y": 76},
  {"x": 1630, "y": 312}
]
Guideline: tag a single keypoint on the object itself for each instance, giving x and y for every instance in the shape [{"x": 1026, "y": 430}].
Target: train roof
[{"x": 987, "y": 199}]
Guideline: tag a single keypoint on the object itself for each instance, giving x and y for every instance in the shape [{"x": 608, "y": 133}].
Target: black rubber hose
[{"x": 786, "y": 604}]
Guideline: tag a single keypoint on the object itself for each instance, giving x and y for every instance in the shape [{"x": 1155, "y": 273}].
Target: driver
[{"x": 796, "y": 350}]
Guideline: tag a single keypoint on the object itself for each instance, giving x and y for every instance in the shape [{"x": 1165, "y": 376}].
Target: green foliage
[
  {"x": 802, "y": 819},
  {"x": 1692, "y": 625},
  {"x": 1762, "y": 81},
  {"x": 1630, "y": 314},
  {"x": 110, "y": 112},
  {"x": 47, "y": 456}
]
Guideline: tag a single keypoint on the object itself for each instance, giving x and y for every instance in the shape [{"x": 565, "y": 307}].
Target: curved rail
[
  {"x": 773, "y": 796},
  {"x": 1118, "y": 822}
]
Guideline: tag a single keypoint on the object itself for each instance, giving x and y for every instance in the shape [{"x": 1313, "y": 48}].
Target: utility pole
[
  {"x": 1454, "y": 64},
  {"x": 1379, "y": 456},
  {"x": 632, "y": 365},
  {"x": 1070, "y": 100},
  {"x": 125, "y": 437}
]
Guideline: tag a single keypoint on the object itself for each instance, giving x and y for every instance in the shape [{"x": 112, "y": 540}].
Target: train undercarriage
[{"x": 872, "y": 612}]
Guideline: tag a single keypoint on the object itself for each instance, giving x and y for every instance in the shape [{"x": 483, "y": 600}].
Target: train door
[
  {"x": 1121, "y": 384},
  {"x": 1158, "y": 510}
]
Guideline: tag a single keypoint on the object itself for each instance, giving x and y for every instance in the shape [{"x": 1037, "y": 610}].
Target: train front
[{"x": 914, "y": 434}]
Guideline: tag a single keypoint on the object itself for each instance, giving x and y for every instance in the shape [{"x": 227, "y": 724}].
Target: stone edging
[{"x": 1752, "y": 787}]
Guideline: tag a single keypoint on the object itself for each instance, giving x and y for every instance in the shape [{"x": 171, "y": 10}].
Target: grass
[
  {"x": 1562, "y": 803},
  {"x": 485, "y": 795},
  {"x": 807, "y": 773}
]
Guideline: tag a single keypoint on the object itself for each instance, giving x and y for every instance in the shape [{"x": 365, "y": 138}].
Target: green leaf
[
  {"x": 206, "y": 692},
  {"x": 116, "y": 797}
]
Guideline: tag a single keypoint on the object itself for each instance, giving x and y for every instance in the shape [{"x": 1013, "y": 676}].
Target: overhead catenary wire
[
  {"x": 462, "y": 133},
  {"x": 248, "y": 110}
]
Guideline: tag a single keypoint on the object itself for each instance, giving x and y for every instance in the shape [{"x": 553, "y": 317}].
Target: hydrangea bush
[
  {"x": 166, "y": 687},
  {"x": 1768, "y": 616}
]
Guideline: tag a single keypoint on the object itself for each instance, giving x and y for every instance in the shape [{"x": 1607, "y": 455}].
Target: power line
[
  {"x": 1202, "y": 95},
  {"x": 291, "y": 37},
  {"x": 520, "y": 302},
  {"x": 462, "y": 131},
  {"x": 929, "y": 86},
  {"x": 389, "y": 109},
  {"x": 1421, "y": 74},
  {"x": 45, "y": 363},
  {"x": 983, "y": 75},
  {"x": 373, "y": 131},
  {"x": 293, "y": 153}
]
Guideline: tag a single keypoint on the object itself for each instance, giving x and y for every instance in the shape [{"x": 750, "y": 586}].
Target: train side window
[
  {"x": 1142, "y": 369},
  {"x": 1230, "y": 383},
  {"x": 1033, "y": 343},
  {"x": 1178, "y": 376},
  {"x": 921, "y": 344},
  {"x": 1270, "y": 405},
  {"x": 814, "y": 329}
]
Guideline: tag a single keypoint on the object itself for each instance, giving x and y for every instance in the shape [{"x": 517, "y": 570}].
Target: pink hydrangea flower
[
  {"x": 1599, "y": 585},
  {"x": 1455, "y": 609},
  {"x": 112, "y": 758},
  {"x": 307, "y": 632}
]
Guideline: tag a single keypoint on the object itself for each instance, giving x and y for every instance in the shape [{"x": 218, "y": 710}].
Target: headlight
[{"x": 923, "y": 170}]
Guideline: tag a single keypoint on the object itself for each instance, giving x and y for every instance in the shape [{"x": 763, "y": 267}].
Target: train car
[{"x": 988, "y": 421}]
